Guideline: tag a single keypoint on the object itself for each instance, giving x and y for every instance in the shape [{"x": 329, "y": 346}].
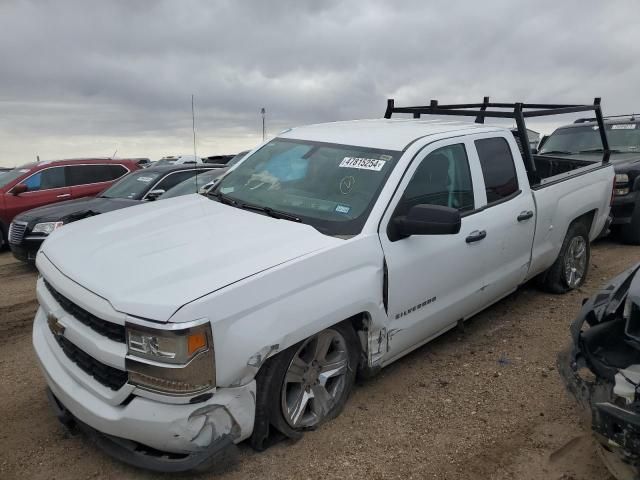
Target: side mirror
[
  {"x": 426, "y": 220},
  {"x": 19, "y": 188},
  {"x": 154, "y": 194}
]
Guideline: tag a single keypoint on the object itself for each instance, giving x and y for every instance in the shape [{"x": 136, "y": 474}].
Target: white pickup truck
[{"x": 172, "y": 331}]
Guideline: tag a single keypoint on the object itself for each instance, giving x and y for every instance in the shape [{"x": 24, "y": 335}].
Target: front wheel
[
  {"x": 569, "y": 271},
  {"x": 306, "y": 384}
]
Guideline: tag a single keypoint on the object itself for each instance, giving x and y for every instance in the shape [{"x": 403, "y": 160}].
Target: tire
[
  {"x": 559, "y": 279},
  {"x": 286, "y": 398},
  {"x": 4, "y": 241},
  {"x": 630, "y": 233}
]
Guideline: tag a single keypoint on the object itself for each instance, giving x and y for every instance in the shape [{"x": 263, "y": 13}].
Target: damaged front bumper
[
  {"x": 594, "y": 370},
  {"x": 144, "y": 432}
]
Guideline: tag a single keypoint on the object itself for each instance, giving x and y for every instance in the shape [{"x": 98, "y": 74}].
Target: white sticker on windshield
[
  {"x": 227, "y": 190},
  {"x": 362, "y": 163},
  {"x": 145, "y": 179},
  {"x": 343, "y": 208},
  {"x": 623, "y": 126}
]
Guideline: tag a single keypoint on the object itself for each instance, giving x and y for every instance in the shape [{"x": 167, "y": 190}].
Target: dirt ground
[{"x": 487, "y": 403}]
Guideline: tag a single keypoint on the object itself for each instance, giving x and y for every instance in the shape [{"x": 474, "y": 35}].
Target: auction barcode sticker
[
  {"x": 362, "y": 163},
  {"x": 623, "y": 126}
]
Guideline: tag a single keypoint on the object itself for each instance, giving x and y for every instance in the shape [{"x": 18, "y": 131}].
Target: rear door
[
  {"x": 510, "y": 214},
  {"x": 46, "y": 186},
  {"x": 89, "y": 180},
  {"x": 435, "y": 280}
]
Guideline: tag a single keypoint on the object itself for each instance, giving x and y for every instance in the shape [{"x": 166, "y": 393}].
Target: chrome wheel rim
[
  {"x": 315, "y": 380},
  {"x": 575, "y": 262}
]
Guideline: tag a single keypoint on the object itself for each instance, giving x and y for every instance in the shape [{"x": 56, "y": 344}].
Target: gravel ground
[{"x": 485, "y": 403}]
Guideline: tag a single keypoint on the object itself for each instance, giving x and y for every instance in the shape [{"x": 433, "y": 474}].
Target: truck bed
[{"x": 551, "y": 166}]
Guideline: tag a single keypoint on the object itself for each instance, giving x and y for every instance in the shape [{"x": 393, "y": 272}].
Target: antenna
[
  {"x": 193, "y": 127},
  {"x": 263, "y": 112},
  {"x": 114, "y": 154}
]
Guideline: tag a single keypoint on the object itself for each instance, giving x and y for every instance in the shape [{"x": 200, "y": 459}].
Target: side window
[
  {"x": 87, "y": 174},
  {"x": 498, "y": 169},
  {"x": 442, "y": 178},
  {"x": 46, "y": 179},
  {"x": 173, "y": 179}
]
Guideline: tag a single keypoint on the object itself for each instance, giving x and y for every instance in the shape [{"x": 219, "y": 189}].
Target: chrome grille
[
  {"x": 108, "y": 329},
  {"x": 16, "y": 232}
]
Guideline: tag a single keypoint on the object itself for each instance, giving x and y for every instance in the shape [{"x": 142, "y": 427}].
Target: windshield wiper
[
  {"x": 597, "y": 150},
  {"x": 558, "y": 152},
  {"x": 222, "y": 198},
  {"x": 271, "y": 212}
]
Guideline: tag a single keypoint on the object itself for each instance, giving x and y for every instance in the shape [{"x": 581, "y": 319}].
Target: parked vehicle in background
[
  {"x": 29, "y": 229},
  {"x": 205, "y": 182},
  {"x": 177, "y": 160},
  {"x": 219, "y": 159},
  {"x": 601, "y": 370},
  {"x": 42, "y": 183},
  {"x": 346, "y": 245},
  {"x": 4, "y": 170},
  {"x": 580, "y": 140},
  {"x": 200, "y": 183}
]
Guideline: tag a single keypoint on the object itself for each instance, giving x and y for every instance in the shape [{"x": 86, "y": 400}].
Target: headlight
[
  {"x": 622, "y": 178},
  {"x": 46, "y": 227},
  {"x": 178, "y": 362}
]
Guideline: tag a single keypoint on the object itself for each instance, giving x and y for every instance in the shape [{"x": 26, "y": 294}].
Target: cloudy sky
[{"x": 89, "y": 78}]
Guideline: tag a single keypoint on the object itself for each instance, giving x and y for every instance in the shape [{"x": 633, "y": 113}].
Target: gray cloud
[{"x": 83, "y": 78}]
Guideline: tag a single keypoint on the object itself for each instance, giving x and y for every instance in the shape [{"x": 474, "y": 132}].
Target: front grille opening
[
  {"x": 106, "y": 375},
  {"x": 16, "y": 233},
  {"x": 108, "y": 329}
]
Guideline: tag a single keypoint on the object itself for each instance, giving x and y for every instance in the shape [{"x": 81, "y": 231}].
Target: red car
[{"x": 37, "y": 184}]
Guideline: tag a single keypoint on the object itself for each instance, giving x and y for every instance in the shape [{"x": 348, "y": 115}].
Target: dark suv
[
  {"x": 29, "y": 229},
  {"x": 582, "y": 140}
]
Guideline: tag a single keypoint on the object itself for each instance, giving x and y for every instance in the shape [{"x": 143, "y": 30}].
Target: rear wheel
[
  {"x": 305, "y": 385},
  {"x": 569, "y": 271}
]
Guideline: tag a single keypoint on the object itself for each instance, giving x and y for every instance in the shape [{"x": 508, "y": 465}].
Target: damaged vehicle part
[{"x": 602, "y": 370}]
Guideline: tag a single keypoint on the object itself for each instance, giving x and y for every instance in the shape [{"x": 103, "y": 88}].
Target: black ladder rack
[{"x": 517, "y": 111}]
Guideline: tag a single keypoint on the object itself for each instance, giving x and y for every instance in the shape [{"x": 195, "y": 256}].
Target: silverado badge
[{"x": 54, "y": 325}]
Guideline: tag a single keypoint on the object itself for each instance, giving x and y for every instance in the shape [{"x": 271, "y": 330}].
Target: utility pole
[{"x": 263, "y": 112}]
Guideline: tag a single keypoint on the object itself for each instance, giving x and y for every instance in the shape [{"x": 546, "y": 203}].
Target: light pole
[{"x": 263, "y": 112}]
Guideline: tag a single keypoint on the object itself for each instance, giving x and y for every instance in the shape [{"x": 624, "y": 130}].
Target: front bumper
[
  {"x": 623, "y": 206},
  {"x": 179, "y": 436},
  {"x": 615, "y": 426},
  {"x": 27, "y": 250}
]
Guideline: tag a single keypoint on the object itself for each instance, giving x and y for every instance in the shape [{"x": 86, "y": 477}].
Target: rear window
[{"x": 498, "y": 169}]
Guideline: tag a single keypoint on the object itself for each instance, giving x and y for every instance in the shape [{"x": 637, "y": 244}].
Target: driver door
[{"x": 435, "y": 280}]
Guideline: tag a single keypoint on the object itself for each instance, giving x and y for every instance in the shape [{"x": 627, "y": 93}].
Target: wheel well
[{"x": 586, "y": 219}]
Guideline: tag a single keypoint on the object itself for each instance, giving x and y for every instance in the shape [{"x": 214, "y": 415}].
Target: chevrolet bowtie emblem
[{"x": 54, "y": 325}]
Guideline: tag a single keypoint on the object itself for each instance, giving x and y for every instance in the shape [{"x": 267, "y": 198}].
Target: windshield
[
  {"x": 191, "y": 185},
  {"x": 132, "y": 186},
  {"x": 6, "y": 177},
  {"x": 330, "y": 187},
  {"x": 624, "y": 137}
]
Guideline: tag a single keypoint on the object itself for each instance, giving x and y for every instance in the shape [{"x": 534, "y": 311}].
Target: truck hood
[
  {"x": 150, "y": 260},
  {"x": 62, "y": 210}
]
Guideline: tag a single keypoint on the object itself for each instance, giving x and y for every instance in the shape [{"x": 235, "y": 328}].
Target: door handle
[
  {"x": 476, "y": 236},
  {"x": 64, "y": 195},
  {"x": 526, "y": 215}
]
